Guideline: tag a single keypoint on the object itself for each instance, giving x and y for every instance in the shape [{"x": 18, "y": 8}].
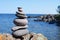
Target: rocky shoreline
[
  {"x": 20, "y": 31},
  {"x": 45, "y": 18},
  {"x": 30, "y": 36}
]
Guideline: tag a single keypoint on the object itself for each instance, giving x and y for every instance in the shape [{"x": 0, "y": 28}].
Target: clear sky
[{"x": 30, "y": 6}]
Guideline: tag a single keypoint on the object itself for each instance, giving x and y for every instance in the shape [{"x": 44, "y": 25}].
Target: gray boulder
[
  {"x": 20, "y": 32},
  {"x": 20, "y": 22}
]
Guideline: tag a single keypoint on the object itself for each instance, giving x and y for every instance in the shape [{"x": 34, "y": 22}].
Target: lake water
[{"x": 51, "y": 31}]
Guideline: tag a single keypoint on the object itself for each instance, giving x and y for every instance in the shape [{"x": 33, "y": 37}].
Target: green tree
[
  {"x": 58, "y": 9},
  {"x": 57, "y": 17}
]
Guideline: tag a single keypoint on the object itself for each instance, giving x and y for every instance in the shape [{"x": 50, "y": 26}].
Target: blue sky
[{"x": 29, "y": 6}]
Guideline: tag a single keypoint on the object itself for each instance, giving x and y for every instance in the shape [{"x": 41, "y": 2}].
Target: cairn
[
  {"x": 20, "y": 31},
  {"x": 21, "y": 24}
]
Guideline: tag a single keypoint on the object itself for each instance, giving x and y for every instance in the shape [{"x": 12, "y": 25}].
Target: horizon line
[{"x": 27, "y": 13}]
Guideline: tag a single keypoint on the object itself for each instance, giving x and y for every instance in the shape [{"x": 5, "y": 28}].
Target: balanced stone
[
  {"x": 19, "y": 28},
  {"x": 21, "y": 16},
  {"x": 20, "y": 22},
  {"x": 20, "y": 32},
  {"x": 21, "y": 13},
  {"x": 20, "y": 9}
]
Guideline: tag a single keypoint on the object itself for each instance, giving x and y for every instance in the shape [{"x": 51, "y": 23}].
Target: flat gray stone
[
  {"x": 20, "y": 32},
  {"x": 21, "y": 16},
  {"x": 22, "y": 13},
  {"x": 19, "y": 28},
  {"x": 20, "y": 22}
]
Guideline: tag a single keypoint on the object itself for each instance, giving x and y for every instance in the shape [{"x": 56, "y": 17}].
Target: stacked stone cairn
[
  {"x": 20, "y": 31},
  {"x": 21, "y": 24}
]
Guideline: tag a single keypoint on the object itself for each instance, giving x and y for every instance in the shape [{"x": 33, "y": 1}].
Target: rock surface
[
  {"x": 20, "y": 32},
  {"x": 27, "y": 37},
  {"x": 38, "y": 37},
  {"x": 19, "y": 27},
  {"x": 20, "y": 22},
  {"x": 32, "y": 36},
  {"x": 6, "y": 37}
]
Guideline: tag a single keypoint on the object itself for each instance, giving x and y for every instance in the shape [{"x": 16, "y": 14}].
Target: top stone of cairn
[{"x": 20, "y": 13}]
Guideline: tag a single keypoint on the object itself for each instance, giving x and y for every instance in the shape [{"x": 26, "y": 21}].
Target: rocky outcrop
[
  {"x": 46, "y": 18},
  {"x": 6, "y": 36},
  {"x": 38, "y": 37},
  {"x": 30, "y": 36}
]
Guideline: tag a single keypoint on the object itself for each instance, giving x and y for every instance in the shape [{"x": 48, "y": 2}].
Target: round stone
[
  {"x": 20, "y": 32},
  {"x": 19, "y": 28},
  {"x": 20, "y": 22}
]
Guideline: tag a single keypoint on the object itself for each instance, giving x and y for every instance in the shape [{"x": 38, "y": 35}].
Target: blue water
[{"x": 51, "y": 31}]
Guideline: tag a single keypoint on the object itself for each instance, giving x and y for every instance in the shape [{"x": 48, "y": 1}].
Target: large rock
[
  {"x": 27, "y": 37},
  {"x": 34, "y": 36},
  {"x": 19, "y": 28},
  {"x": 20, "y": 32},
  {"x": 20, "y": 22},
  {"x": 39, "y": 37},
  {"x": 6, "y": 36}
]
